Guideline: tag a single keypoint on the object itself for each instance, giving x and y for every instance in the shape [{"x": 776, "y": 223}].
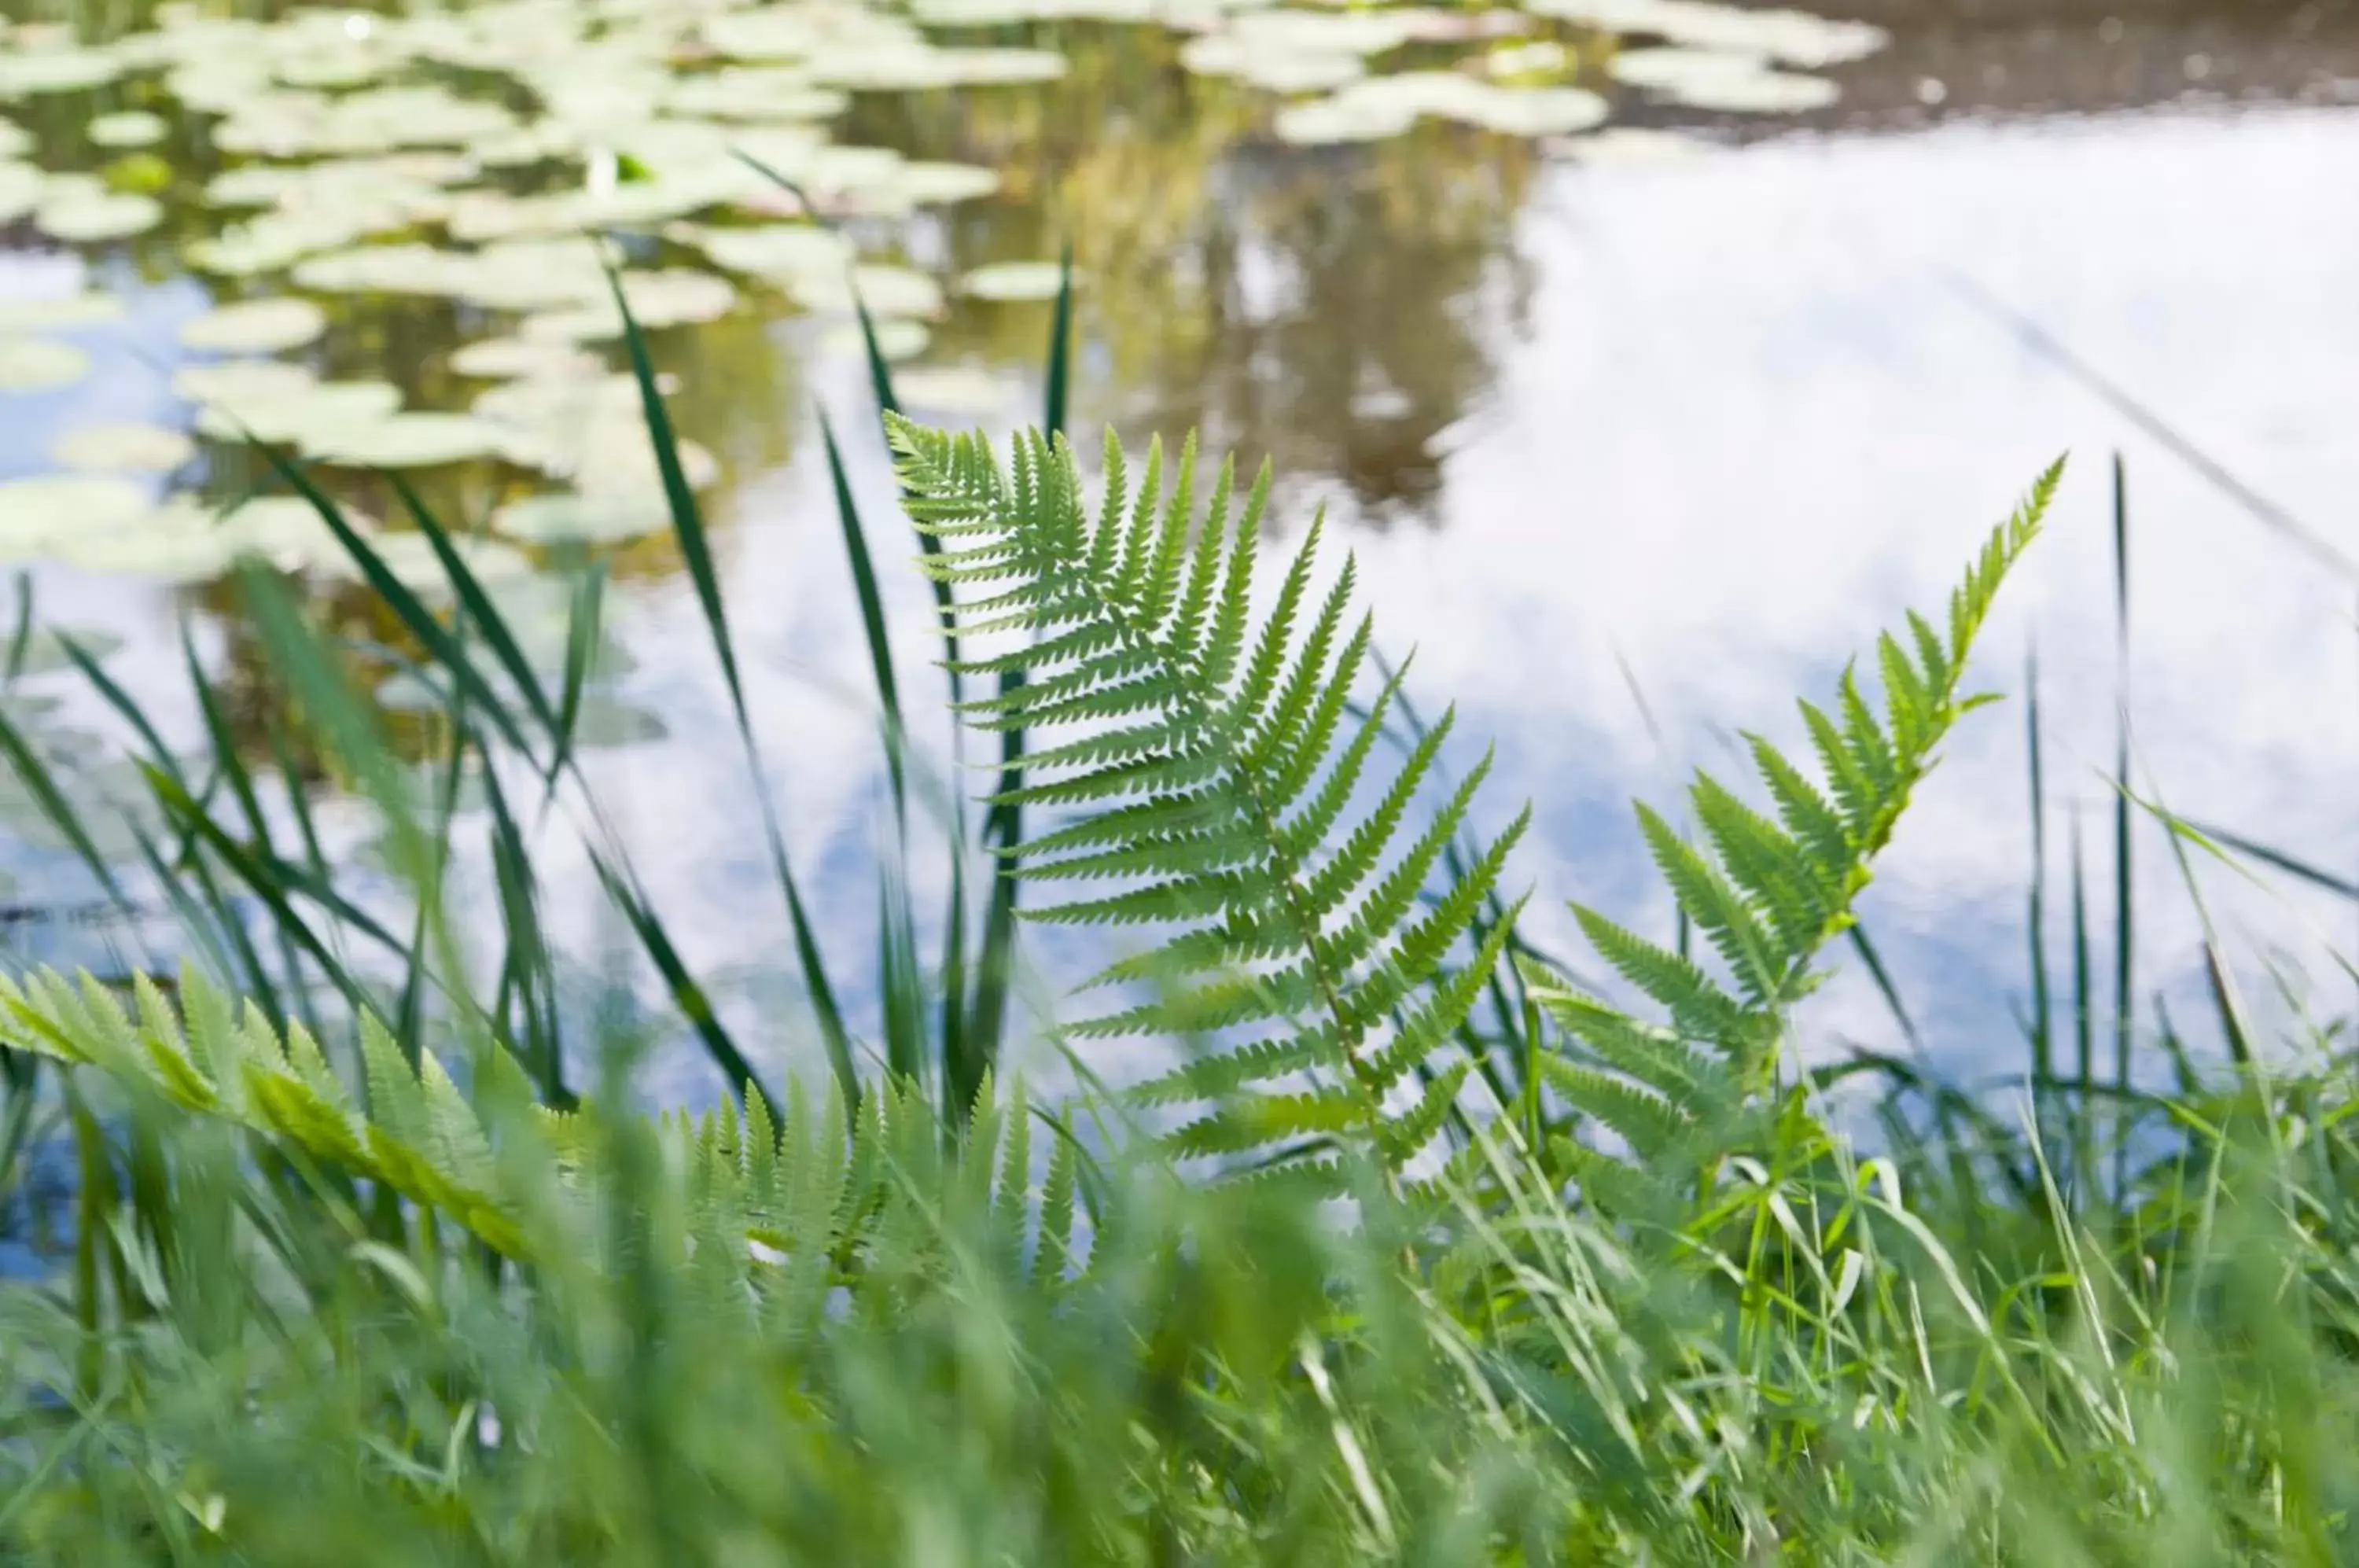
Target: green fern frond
[
  {"x": 1767, "y": 894},
  {"x": 1208, "y": 763}
]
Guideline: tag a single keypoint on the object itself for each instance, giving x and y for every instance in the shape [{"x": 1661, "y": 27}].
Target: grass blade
[
  {"x": 872, "y": 620},
  {"x": 2124, "y": 944},
  {"x": 2043, "y": 1011},
  {"x": 688, "y": 526}
]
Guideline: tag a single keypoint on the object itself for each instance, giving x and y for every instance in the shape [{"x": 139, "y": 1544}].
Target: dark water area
[{"x": 1630, "y": 450}]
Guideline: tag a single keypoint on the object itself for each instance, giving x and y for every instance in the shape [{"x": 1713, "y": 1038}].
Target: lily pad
[
  {"x": 884, "y": 288},
  {"x": 1533, "y": 110},
  {"x": 21, "y": 189},
  {"x": 387, "y": 269},
  {"x": 24, "y": 71},
  {"x": 624, "y": 466},
  {"x": 54, "y": 506},
  {"x": 406, "y": 441},
  {"x": 62, "y": 314},
  {"x": 1791, "y": 38},
  {"x": 1272, "y": 69},
  {"x": 779, "y": 253},
  {"x": 1327, "y": 121},
  {"x": 35, "y": 364},
  {"x": 285, "y": 530},
  {"x": 272, "y": 243},
  {"x": 147, "y": 551},
  {"x": 963, "y": 389},
  {"x": 668, "y": 299},
  {"x": 1630, "y": 145},
  {"x": 123, "y": 448},
  {"x": 411, "y": 558},
  {"x": 896, "y": 340},
  {"x": 305, "y": 414},
  {"x": 1385, "y": 107},
  {"x": 1014, "y": 280},
  {"x": 571, "y": 516},
  {"x": 231, "y": 381},
  {"x": 1763, "y": 93},
  {"x": 88, "y": 218},
  {"x": 1671, "y": 66},
  {"x": 941, "y": 184},
  {"x": 255, "y": 326},
  {"x": 500, "y": 359},
  {"x": 126, "y": 128},
  {"x": 749, "y": 93}
]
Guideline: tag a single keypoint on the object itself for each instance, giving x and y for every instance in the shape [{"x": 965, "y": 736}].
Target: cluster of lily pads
[{"x": 469, "y": 156}]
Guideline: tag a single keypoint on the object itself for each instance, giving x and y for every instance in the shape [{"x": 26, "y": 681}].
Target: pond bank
[
  {"x": 2251, "y": 15},
  {"x": 2004, "y": 59}
]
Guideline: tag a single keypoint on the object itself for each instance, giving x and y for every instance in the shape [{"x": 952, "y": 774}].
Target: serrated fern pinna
[
  {"x": 1209, "y": 764},
  {"x": 1766, "y": 895}
]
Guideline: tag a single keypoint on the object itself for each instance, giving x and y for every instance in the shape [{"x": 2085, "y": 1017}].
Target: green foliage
[
  {"x": 1207, "y": 766},
  {"x": 813, "y": 1185},
  {"x": 1766, "y": 895},
  {"x": 339, "y": 1298}
]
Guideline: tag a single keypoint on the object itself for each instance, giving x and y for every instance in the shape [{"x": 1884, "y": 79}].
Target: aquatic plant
[{"x": 389, "y": 1313}]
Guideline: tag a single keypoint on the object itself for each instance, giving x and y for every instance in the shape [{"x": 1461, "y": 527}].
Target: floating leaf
[
  {"x": 21, "y": 188},
  {"x": 62, "y": 314},
  {"x": 34, "y": 364},
  {"x": 496, "y": 359},
  {"x": 1630, "y": 145},
  {"x": 405, "y": 441},
  {"x": 237, "y": 380},
  {"x": 780, "y": 253},
  {"x": 1014, "y": 280},
  {"x": 123, "y": 448},
  {"x": 943, "y": 184},
  {"x": 413, "y": 562},
  {"x": 170, "y": 555},
  {"x": 885, "y": 289},
  {"x": 1788, "y": 36},
  {"x": 563, "y": 517},
  {"x": 83, "y": 218},
  {"x": 747, "y": 93},
  {"x": 55, "y": 505},
  {"x": 1733, "y": 81},
  {"x": 255, "y": 326},
  {"x": 669, "y": 299},
  {"x": 1763, "y": 92},
  {"x": 1275, "y": 69},
  {"x": 25, "y": 72},
  {"x": 303, "y": 412},
  {"x": 896, "y": 340},
  {"x": 1517, "y": 63},
  {"x": 387, "y": 269},
  {"x": 126, "y": 128},
  {"x": 952, "y": 390}
]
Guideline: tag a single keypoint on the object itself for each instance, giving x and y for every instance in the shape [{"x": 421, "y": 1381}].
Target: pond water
[{"x": 1646, "y": 382}]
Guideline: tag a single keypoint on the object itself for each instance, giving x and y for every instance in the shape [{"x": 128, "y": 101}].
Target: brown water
[{"x": 1630, "y": 455}]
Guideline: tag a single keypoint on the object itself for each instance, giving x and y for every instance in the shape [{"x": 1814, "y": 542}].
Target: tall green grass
[{"x": 933, "y": 1323}]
